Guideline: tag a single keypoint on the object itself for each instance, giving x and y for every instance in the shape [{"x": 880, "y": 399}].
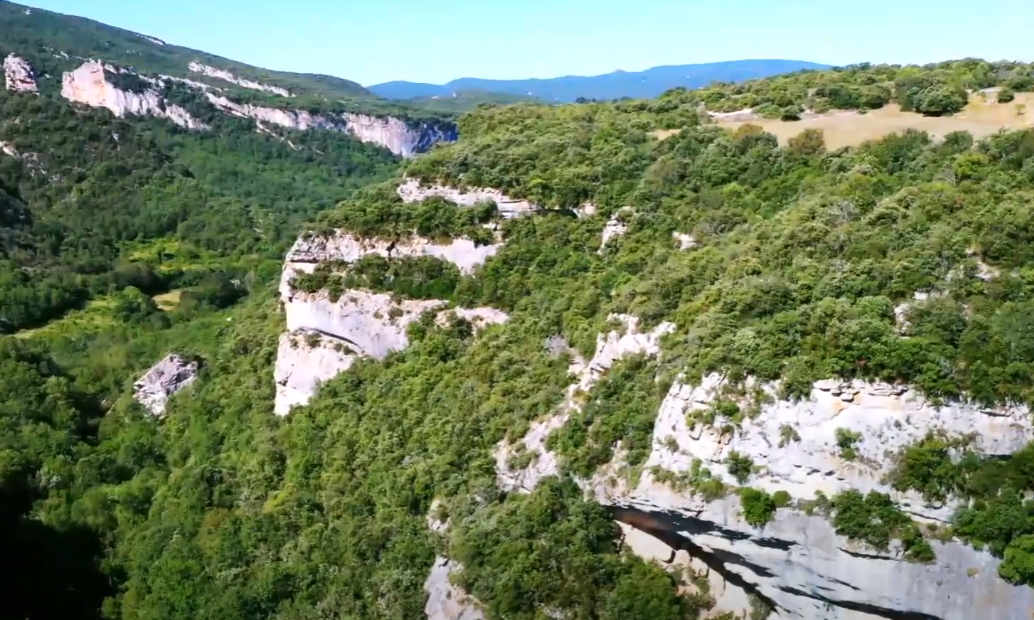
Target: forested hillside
[
  {"x": 93, "y": 204},
  {"x": 904, "y": 261},
  {"x": 52, "y": 42}
]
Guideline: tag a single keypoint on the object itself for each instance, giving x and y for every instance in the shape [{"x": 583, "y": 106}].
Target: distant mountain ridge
[{"x": 637, "y": 84}]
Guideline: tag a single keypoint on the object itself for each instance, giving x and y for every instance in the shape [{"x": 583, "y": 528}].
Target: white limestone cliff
[
  {"x": 304, "y": 360},
  {"x": 794, "y": 443},
  {"x": 19, "y": 75},
  {"x": 220, "y": 74},
  {"x": 479, "y": 318},
  {"x": 797, "y": 564},
  {"x": 725, "y": 596},
  {"x": 89, "y": 85},
  {"x": 398, "y": 136},
  {"x": 301, "y": 120},
  {"x": 346, "y": 247},
  {"x": 326, "y": 335}
]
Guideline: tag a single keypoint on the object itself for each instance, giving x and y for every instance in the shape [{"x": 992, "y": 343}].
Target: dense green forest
[
  {"x": 222, "y": 510},
  {"x": 94, "y": 204}
]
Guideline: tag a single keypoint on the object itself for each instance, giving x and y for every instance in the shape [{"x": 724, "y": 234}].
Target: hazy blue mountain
[{"x": 649, "y": 83}]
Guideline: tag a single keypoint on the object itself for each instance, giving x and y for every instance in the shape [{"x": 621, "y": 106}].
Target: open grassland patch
[
  {"x": 168, "y": 301},
  {"x": 980, "y": 118}
]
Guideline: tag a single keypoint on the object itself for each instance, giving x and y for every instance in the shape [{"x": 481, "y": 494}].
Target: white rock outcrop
[
  {"x": 220, "y": 74},
  {"x": 803, "y": 569},
  {"x": 480, "y": 318},
  {"x": 304, "y": 360},
  {"x": 445, "y": 601},
  {"x": 301, "y": 120},
  {"x": 162, "y": 381},
  {"x": 795, "y": 445},
  {"x": 615, "y": 227},
  {"x": 346, "y": 247},
  {"x": 727, "y": 597},
  {"x": 398, "y": 136},
  {"x": 797, "y": 562},
  {"x": 19, "y": 75},
  {"x": 412, "y": 190},
  {"x": 359, "y": 323},
  {"x": 89, "y": 85},
  {"x": 610, "y": 348},
  {"x": 686, "y": 242}
]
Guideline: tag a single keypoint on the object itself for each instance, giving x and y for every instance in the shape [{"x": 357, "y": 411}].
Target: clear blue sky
[{"x": 372, "y": 41}]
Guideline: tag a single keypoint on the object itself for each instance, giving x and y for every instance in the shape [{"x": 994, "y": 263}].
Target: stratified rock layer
[{"x": 327, "y": 334}]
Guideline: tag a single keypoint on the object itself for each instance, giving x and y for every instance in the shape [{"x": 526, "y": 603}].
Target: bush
[
  {"x": 1006, "y": 95},
  {"x": 758, "y": 507},
  {"x": 740, "y": 466},
  {"x": 846, "y": 440}
]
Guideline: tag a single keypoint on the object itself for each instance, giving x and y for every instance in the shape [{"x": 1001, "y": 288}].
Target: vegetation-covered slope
[
  {"x": 222, "y": 510},
  {"x": 93, "y": 203},
  {"x": 936, "y": 89},
  {"x": 53, "y": 42}
]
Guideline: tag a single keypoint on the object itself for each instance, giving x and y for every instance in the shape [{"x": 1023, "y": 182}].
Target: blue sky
[{"x": 372, "y": 41}]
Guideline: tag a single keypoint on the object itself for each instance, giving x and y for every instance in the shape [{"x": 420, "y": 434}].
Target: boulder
[{"x": 164, "y": 379}]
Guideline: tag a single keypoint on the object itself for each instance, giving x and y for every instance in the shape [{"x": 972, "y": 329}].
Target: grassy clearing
[
  {"x": 851, "y": 129},
  {"x": 168, "y": 301},
  {"x": 96, "y": 314}
]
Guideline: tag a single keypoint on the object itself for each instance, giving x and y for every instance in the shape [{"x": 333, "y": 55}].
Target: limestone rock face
[
  {"x": 301, "y": 120},
  {"x": 348, "y": 248},
  {"x": 444, "y": 600},
  {"x": 162, "y": 381},
  {"x": 304, "y": 360},
  {"x": 203, "y": 69},
  {"x": 803, "y": 569},
  {"x": 413, "y": 191},
  {"x": 89, "y": 85},
  {"x": 19, "y": 75},
  {"x": 796, "y": 564},
  {"x": 325, "y": 336},
  {"x": 398, "y": 136},
  {"x": 795, "y": 443},
  {"x": 686, "y": 242},
  {"x": 616, "y": 227},
  {"x": 392, "y": 133},
  {"x": 480, "y": 318}
]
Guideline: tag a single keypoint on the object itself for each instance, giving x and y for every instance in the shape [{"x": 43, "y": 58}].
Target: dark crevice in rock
[
  {"x": 869, "y": 556},
  {"x": 339, "y": 339},
  {"x": 666, "y": 527},
  {"x": 845, "y": 584},
  {"x": 775, "y": 543},
  {"x": 675, "y": 531},
  {"x": 875, "y": 610}
]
